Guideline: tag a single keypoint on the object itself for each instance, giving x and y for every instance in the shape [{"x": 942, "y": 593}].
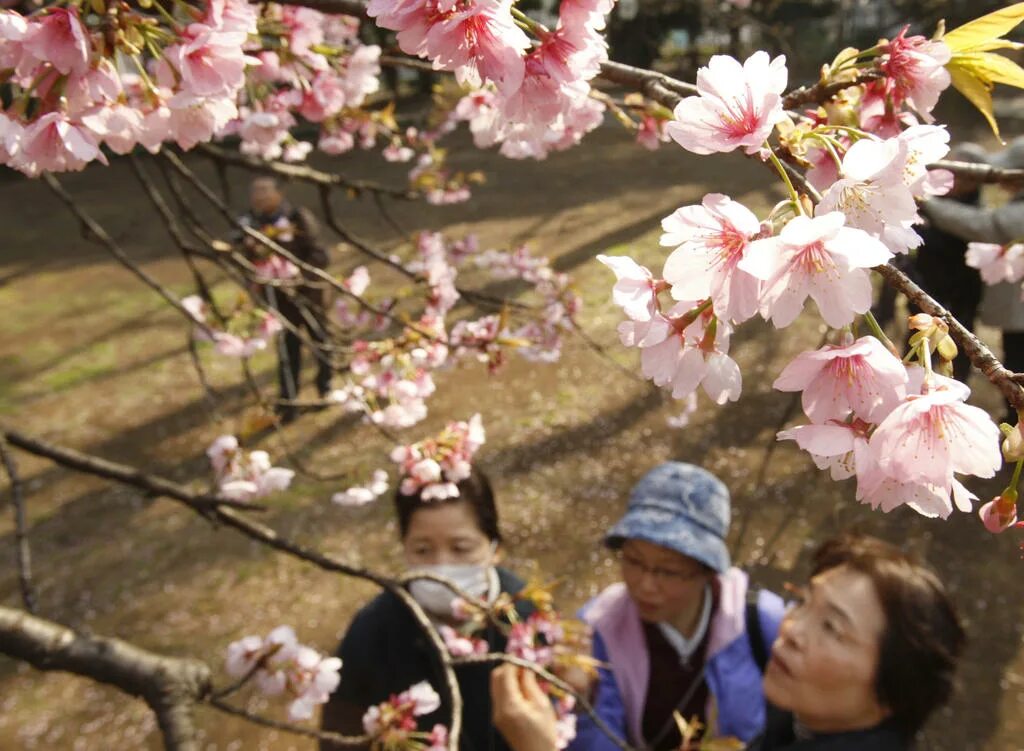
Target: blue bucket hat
[{"x": 681, "y": 507}]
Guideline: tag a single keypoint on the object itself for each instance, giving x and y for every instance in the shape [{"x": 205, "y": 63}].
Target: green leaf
[
  {"x": 984, "y": 29},
  {"x": 978, "y": 92}
]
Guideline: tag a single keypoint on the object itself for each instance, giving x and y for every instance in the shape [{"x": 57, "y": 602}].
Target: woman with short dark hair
[
  {"x": 385, "y": 651},
  {"x": 860, "y": 662}
]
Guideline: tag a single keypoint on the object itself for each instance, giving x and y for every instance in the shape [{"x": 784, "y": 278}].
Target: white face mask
[{"x": 436, "y": 598}]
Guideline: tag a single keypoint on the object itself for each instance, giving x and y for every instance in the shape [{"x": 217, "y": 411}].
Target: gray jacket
[{"x": 1001, "y": 304}]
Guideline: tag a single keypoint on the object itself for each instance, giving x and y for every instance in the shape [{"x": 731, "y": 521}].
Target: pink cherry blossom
[
  {"x": 55, "y": 144},
  {"x": 193, "y": 120},
  {"x": 931, "y": 436},
  {"x": 59, "y": 38},
  {"x": 915, "y": 71},
  {"x": 997, "y": 263},
  {"x": 862, "y": 377},
  {"x": 872, "y": 193},
  {"x": 210, "y": 62},
  {"x": 694, "y": 353},
  {"x": 999, "y": 514},
  {"x": 711, "y": 239},
  {"x": 815, "y": 257},
  {"x": 635, "y": 287},
  {"x": 737, "y": 106}
]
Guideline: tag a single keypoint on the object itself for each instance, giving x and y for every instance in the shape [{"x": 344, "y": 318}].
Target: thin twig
[
  {"x": 302, "y": 173},
  {"x": 581, "y": 701},
  {"x": 22, "y": 552},
  {"x": 323, "y": 735}
]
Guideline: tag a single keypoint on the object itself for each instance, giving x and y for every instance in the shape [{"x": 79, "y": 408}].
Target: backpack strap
[{"x": 755, "y": 634}]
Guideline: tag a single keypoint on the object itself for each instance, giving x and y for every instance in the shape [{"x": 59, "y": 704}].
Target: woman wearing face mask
[
  {"x": 680, "y": 633},
  {"x": 859, "y": 664},
  {"x": 385, "y": 652}
]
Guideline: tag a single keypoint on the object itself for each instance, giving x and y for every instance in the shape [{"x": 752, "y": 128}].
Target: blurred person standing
[{"x": 297, "y": 231}]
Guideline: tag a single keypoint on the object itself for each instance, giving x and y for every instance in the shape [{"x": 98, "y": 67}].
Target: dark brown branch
[
  {"x": 22, "y": 552},
  {"x": 821, "y": 92},
  {"x": 302, "y": 173},
  {"x": 581, "y": 701},
  {"x": 982, "y": 173},
  {"x": 980, "y": 355},
  {"x": 663, "y": 89},
  {"x": 152, "y": 484},
  {"x": 169, "y": 685}
]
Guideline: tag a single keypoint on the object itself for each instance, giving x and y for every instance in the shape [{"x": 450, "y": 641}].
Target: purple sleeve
[{"x": 607, "y": 703}]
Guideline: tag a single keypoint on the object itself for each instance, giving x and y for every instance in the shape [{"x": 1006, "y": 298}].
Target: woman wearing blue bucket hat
[{"x": 679, "y": 633}]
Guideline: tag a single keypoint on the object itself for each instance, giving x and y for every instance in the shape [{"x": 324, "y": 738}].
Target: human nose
[{"x": 792, "y": 629}]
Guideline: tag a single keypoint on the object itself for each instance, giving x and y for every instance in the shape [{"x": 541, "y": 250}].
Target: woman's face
[
  {"x": 446, "y": 533},
  {"x": 664, "y": 584},
  {"x": 825, "y": 660}
]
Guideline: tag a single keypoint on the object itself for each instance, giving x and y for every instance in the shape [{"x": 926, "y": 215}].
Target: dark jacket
[
  {"x": 779, "y": 735},
  {"x": 297, "y": 231},
  {"x": 385, "y": 652}
]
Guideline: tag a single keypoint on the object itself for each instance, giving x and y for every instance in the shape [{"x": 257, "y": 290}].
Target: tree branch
[
  {"x": 302, "y": 173},
  {"x": 267, "y": 722},
  {"x": 22, "y": 552},
  {"x": 169, "y": 685},
  {"x": 980, "y": 355},
  {"x": 200, "y": 502}
]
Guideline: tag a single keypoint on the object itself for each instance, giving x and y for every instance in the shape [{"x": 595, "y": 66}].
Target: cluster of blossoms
[
  {"x": 532, "y": 96},
  {"x": 392, "y": 377},
  {"x": 280, "y": 666},
  {"x": 433, "y": 467},
  {"x": 85, "y": 76},
  {"x": 905, "y": 433},
  {"x": 248, "y": 332},
  {"x": 392, "y": 724},
  {"x": 245, "y": 475}
]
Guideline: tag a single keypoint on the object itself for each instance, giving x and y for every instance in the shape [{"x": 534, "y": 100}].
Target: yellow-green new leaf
[{"x": 985, "y": 29}]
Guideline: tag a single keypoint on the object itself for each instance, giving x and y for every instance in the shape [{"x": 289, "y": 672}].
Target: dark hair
[
  {"x": 475, "y": 491},
  {"x": 923, "y": 637}
]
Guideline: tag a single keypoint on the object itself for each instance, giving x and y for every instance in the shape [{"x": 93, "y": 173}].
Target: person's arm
[
  {"x": 977, "y": 224},
  {"x": 607, "y": 702}
]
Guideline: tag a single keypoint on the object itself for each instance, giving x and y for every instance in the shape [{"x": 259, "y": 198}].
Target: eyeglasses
[{"x": 663, "y": 577}]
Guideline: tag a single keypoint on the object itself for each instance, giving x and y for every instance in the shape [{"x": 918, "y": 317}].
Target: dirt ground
[{"x": 91, "y": 359}]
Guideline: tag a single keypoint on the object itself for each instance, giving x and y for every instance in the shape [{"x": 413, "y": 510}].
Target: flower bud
[
  {"x": 1013, "y": 442},
  {"x": 946, "y": 348},
  {"x": 1000, "y": 513}
]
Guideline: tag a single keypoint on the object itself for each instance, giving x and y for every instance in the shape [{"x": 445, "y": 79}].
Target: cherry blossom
[
  {"x": 862, "y": 377},
  {"x": 395, "y": 719},
  {"x": 245, "y": 476},
  {"x": 360, "y": 495},
  {"x": 1000, "y": 513},
  {"x": 930, "y": 436},
  {"x": 58, "y": 38},
  {"x": 737, "y": 106},
  {"x": 819, "y": 258},
  {"x": 915, "y": 72},
  {"x": 635, "y": 288},
  {"x": 433, "y": 467},
  {"x": 997, "y": 263},
  {"x": 279, "y": 665},
  {"x": 711, "y": 240}
]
